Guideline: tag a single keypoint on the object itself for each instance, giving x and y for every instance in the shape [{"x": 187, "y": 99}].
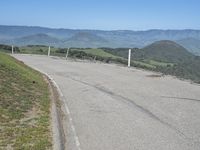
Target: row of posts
[{"x": 49, "y": 52}]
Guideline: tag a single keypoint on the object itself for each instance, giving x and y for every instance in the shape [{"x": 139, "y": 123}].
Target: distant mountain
[
  {"x": 167, "y": 51},
  {"x": 192, "y": 44},
  {"x": 37, "y": 39},
  {"x": 98, "y": 38},
  {"x": 12, "y": 32},
  {"x": 85, "y": 39}
]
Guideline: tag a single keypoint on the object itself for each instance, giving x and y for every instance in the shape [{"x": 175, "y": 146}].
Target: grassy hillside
[
  {"x": 167, "y": 51},
  {"x": 24, "y": 107},
  {"x": 96, "y": 52},
  {"x": 8, "y": 48},
  {"x": 37, "y": 39},
  {"x": 36, "y": 49},
  {"x": 160, "y": 51}
]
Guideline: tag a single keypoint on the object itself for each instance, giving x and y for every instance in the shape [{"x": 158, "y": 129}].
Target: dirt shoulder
[{"x": 58, "y": 118}]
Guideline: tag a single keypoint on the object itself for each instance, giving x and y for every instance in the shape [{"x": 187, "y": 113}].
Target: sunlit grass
[{"x": 24, "y": 107}]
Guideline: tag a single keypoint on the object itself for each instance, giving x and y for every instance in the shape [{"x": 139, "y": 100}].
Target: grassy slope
[
  {"x": 157, "y": 63},
  {"x": 165, "y": 51},
  {"x": 24, "y": 107},
  {"x": 98, "y": 52},
  {"x": 35, "y": 49}
]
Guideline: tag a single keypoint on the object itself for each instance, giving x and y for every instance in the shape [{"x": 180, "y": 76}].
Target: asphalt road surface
[{"x": 118, "y": 108}]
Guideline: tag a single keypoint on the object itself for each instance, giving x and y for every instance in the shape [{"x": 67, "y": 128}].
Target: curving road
[{"x": 117, "y": 108}]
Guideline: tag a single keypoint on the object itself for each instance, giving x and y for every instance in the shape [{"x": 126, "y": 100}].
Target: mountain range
[{"x": 27, "y": 35}]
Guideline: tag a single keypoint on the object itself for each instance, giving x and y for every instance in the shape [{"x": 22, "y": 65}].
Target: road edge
[{"x": 58, "y": 136}]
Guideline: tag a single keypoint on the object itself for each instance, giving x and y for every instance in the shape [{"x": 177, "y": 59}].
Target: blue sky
[{"x": 102, "y": 14}]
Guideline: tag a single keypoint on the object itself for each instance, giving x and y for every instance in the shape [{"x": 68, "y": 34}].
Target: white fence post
[
  {"x": 12, "y": 49},
  {"x": 129, "y": 58},
  {"x": 49, "y": 51},
  {"x": 67, "y": 53}
]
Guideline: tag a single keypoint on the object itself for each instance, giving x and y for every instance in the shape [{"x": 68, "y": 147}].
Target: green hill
[
  {"x": 167, "y": 51},
  {"x": 163, "y": 51}
]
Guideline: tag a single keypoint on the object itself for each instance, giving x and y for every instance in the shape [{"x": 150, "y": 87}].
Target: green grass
[
  {"x": 144, "y": 64},
  {"x": 24, "y": 107},
  {"x": 97, "y": 52},
  {"x": 151, "y": 64},
  {"x": 157, "y": 63},
  {"x": 5, "y": 51},
  {"x": 36, "y": 49}
]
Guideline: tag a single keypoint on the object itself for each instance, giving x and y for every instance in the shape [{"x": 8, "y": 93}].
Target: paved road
[{"x": 117, "y": 108}]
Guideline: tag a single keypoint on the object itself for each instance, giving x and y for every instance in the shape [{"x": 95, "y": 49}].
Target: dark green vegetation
[
  {"x": 23, "y": 35},
  {"x": 24, "y": 107},
  {"x": 7, "y": 48},
  {"x": 164, "y": 51},
  {"x": 36, "y": 49}
]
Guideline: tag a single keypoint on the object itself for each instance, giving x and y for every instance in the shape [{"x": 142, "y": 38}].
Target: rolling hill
[
  {"x": 37, "y": 39},
  {"x": 19, "y": 35},
  {"x": 165, "y": 50},
  {"x": 85, "y": 39}
]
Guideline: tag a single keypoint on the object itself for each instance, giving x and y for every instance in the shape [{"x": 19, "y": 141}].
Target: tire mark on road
[
  {"x": 180, "y": 98},
  {"x": 139, "y": 107}
]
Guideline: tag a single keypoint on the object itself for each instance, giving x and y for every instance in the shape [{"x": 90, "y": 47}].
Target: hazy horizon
[{"x": 97, "y": 29}]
